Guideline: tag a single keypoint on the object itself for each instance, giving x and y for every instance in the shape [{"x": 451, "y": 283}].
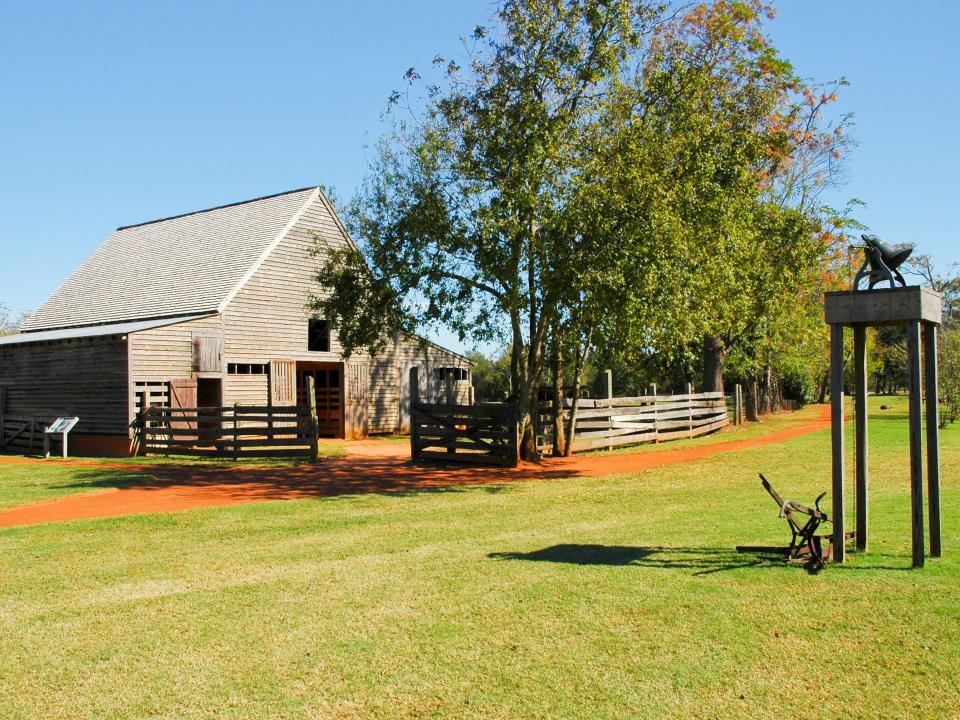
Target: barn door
[
  {"x": 283, "y": 382},
  {"x": 183, "y": 394},
  {"x": 357, "y": 400},
  {"x": 403, "y": 383}
]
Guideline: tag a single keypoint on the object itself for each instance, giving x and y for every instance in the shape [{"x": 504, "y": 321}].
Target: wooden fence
[
  {"x": 609, "y": 422},
  {"x": 237, "y": 431},
  {"x": 24, "y": 435},
  {"x": 481, "y": 434}
]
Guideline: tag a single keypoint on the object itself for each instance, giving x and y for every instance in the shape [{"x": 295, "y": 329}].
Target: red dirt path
[{"x": 373, "y": 468}]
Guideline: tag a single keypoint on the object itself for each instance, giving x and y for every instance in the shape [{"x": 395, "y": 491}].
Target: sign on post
[{"x": 60, "y": 426}]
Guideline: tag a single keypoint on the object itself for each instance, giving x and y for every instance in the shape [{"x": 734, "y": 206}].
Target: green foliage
[
  {"x": 949, "y": 358},
  {"x": 491, "y": 375},
  {"x": 9, "y": 323}
]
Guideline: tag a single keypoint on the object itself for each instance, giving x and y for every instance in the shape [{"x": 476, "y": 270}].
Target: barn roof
[
  {"x": 184, "y": 265},
  {"x": 93, "y": 330}
]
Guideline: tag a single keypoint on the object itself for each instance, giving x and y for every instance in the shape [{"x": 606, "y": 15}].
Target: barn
[{"x": 209, "y": 309}]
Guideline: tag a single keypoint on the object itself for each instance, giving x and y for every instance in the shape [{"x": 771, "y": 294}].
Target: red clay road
[{"x": 168, "y": 488}]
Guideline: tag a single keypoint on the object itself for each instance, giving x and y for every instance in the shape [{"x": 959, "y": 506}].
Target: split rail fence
[{"x": 610, "y": 422}]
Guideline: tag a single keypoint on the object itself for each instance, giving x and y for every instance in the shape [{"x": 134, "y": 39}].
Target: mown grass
[{"x": 617, "y": 597}]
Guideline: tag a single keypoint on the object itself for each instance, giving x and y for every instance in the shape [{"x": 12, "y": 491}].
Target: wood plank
[
  {"x": 860, "y": 399},
  {"x": 933, "y": 436},
  {"x": 837, "y": 447},
  {"x": 916, "y": 441}
]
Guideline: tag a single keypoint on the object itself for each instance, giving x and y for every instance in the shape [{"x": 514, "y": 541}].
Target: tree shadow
[{"x": 702, "y": 560}]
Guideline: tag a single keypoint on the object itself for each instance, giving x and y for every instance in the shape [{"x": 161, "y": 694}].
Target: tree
[
  {"x": 491, "y": 375},
  {"x": 9, "y": 325},
  {"x": 466, "y": 213}
]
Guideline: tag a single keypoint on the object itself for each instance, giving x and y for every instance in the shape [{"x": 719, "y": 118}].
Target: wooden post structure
[
  {"x": 236, "y": 434},
  {"x": 931, "y": 378},
  {"x": 860, "y": 399},
  {"x": 836, "y": 426},
  {"x": 414, "y": 401},
  {"x": 690, "y": 406},
  {"x": 921, "y": 310},
  {"x": 914, "y": 382},
  {"x": 314, "y": 418},
  {"x": 737, "y": 405}
]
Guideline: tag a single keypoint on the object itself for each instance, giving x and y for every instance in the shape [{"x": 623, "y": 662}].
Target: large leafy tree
[{"x": 608, "y": 171}]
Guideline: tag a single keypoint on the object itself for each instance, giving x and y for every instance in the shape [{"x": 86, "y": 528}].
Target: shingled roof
[{"x": 185, "y": 265}]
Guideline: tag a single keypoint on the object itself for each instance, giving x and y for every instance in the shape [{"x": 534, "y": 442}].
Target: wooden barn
[{"x": 210, "y": 309}]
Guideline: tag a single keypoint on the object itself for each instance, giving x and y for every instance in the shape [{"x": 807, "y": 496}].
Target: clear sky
[{"x": 117, "y": 113}]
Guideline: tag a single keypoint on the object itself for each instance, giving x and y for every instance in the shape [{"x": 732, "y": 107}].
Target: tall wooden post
[
  {"x": 737, "y": 404},
  {"x": 656, "y": 421},
  {"x": 930, "y": 375},
  {"x": 236, "y": 433},
  {"x": 916, "y": 440},
  {"x": 314, "y": 418},
  {"x": 860, "y": 398},
  {"x": 609, "y": 374},
  {"x": 414, "y": 401},
  {"x": 690, "y": 406},
  {"x": 836, "y": 423}
]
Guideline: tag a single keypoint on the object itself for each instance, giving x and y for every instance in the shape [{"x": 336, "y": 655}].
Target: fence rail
[
  {"x": 24, "y": 435},
  {"x": 611, "y": 422},
  {"x": 483, "y": 434},
  {"x": 238, "y": 431}
]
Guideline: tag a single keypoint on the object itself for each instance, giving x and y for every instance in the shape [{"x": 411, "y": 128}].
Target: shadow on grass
[
  {"x": 325, "y": 480},
  {"x": 703, "y": 560}
]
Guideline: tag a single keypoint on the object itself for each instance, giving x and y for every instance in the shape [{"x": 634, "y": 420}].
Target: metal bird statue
[{"x": 880, "y": 262}]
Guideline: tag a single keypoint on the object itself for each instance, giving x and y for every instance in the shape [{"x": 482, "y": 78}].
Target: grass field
[{"x": 616, "y": 597}]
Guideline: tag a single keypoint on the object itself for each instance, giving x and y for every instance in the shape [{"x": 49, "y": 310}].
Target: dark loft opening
[{"x": 318, "y": 335}]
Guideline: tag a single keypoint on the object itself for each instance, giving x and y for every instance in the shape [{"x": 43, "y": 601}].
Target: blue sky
[{"x": 117, "y": 113}]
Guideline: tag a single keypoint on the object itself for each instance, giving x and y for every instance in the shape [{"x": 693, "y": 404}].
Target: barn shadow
[{"x": 702, "y": 560}]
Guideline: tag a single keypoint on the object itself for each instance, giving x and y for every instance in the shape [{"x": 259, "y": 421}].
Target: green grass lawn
[{"x": 617, "y": 597}]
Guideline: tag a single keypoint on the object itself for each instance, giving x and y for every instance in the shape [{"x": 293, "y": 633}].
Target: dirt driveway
[{"x": 372, "y": 466}]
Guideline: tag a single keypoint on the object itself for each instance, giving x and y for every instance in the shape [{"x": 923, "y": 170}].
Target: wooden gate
[
  {"x": 484, "y": 434},
  {"x": 357, "y": 400}
]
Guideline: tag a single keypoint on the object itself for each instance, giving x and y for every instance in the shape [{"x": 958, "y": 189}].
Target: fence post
[
  {"x": 656, "y": 430},
  {"x": 472, "y": 396},
  {"x": 609, "y": 374},
  {"x": 314, "y": 419},
  {"x": 236, "y": 434},
  {"x": 414, "y": 401},
  {"x": 690, "y": 407}
]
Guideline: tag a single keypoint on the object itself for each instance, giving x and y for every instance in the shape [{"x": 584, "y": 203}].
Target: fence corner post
[
  {"x": 656, "y": 422},
  {"x": 314, "y": 418},
  {"x": 414, "y": 402},
  {"x": 609, "y": 374},
  {"x": 690, "y": 408}
]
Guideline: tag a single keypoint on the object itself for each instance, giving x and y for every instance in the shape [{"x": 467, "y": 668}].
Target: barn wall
[
  {"x": 267, "y": 319},
  {"x": 85, "y": 377},
  {"x": 389, "y": 381}
]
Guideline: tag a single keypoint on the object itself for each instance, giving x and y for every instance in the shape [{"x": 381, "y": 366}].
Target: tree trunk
[
  {"x": 559, "y": 427},
  {"x": 822, "y": 393},
  {"x": 714, "y": 357}
]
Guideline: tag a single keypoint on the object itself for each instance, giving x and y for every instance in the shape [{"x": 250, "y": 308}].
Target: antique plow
[{"x": 805, "y": 543}]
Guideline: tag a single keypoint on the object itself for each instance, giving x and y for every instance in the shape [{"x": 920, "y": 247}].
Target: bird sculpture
[{"x": 880, "y": 262}]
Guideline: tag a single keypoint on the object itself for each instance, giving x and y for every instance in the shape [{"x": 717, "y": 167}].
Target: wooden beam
[
  {"x": 860, "y": 394},
  {"x": 314, "y": 419},
  {"x": 836, "y": 425},
  {"x": 609, "y": 374},
  {"x": 414, "y": 384},
  {"x": 916, "y": 440},
  {"x": 933, "y": 435}
]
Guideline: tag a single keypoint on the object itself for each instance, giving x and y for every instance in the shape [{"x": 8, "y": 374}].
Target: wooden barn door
[
  {"x": 357, "y": 386},
  {"x": 183, "y": 394}
]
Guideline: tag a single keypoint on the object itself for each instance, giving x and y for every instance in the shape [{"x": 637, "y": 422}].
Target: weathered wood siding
[
  {"x": 267, "y": 319},
  {"x": 86, "y": 378},
  {"x": 389, "y": 382}
]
